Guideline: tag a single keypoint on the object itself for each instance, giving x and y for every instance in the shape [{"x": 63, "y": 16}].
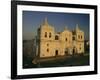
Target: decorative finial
[
  {"x": 77, "y": 26},
  {"x": 46, "y": 21},
  {"x": 65, "y": 28}
]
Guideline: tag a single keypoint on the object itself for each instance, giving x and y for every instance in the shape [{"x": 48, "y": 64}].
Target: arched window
[
  {"x": 66, "y": 39},
  {"x": 50, "y": 35},
  {"x": 45, "y": 34},
  {"x": 78, "y": 36},
  {"x": 56, "y": 37},
  {"x": 47, "y": 50}
]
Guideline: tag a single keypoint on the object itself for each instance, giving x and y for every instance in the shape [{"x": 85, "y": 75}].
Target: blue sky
[{"x": 33, "y": 19}]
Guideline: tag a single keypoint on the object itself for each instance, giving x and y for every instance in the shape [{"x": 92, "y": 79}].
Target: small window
[
  {"x": 47, "y": 44},
  {"x": 50, "y": 35},
  {"x": 56, "y": 37},
  {"x": 66, "y": 39},
  {"x": 45, "y": 34},
  {"x": 47, "y": 50}
]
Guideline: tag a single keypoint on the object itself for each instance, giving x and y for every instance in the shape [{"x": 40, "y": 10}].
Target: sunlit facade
[{"x": 50, "y": 43}]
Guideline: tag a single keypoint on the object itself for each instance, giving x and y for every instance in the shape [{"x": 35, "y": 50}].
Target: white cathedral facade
[{"x": 50, "y": 43}]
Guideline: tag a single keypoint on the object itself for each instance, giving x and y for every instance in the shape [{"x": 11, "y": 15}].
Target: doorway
[
  {"x": 74, "y": 50},
  {"x": 56, "y": 53},
  {"x": 66, "y": 51}
]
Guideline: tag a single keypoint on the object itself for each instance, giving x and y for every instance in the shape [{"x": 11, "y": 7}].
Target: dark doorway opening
[
  {"x": 74, "y": 51},
  {"x": 56, "y": 53},
  {"x": 66, "y": 51}
]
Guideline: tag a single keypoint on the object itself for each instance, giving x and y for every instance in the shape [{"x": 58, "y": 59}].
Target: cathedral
[{"x": 50, "y": 43}]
